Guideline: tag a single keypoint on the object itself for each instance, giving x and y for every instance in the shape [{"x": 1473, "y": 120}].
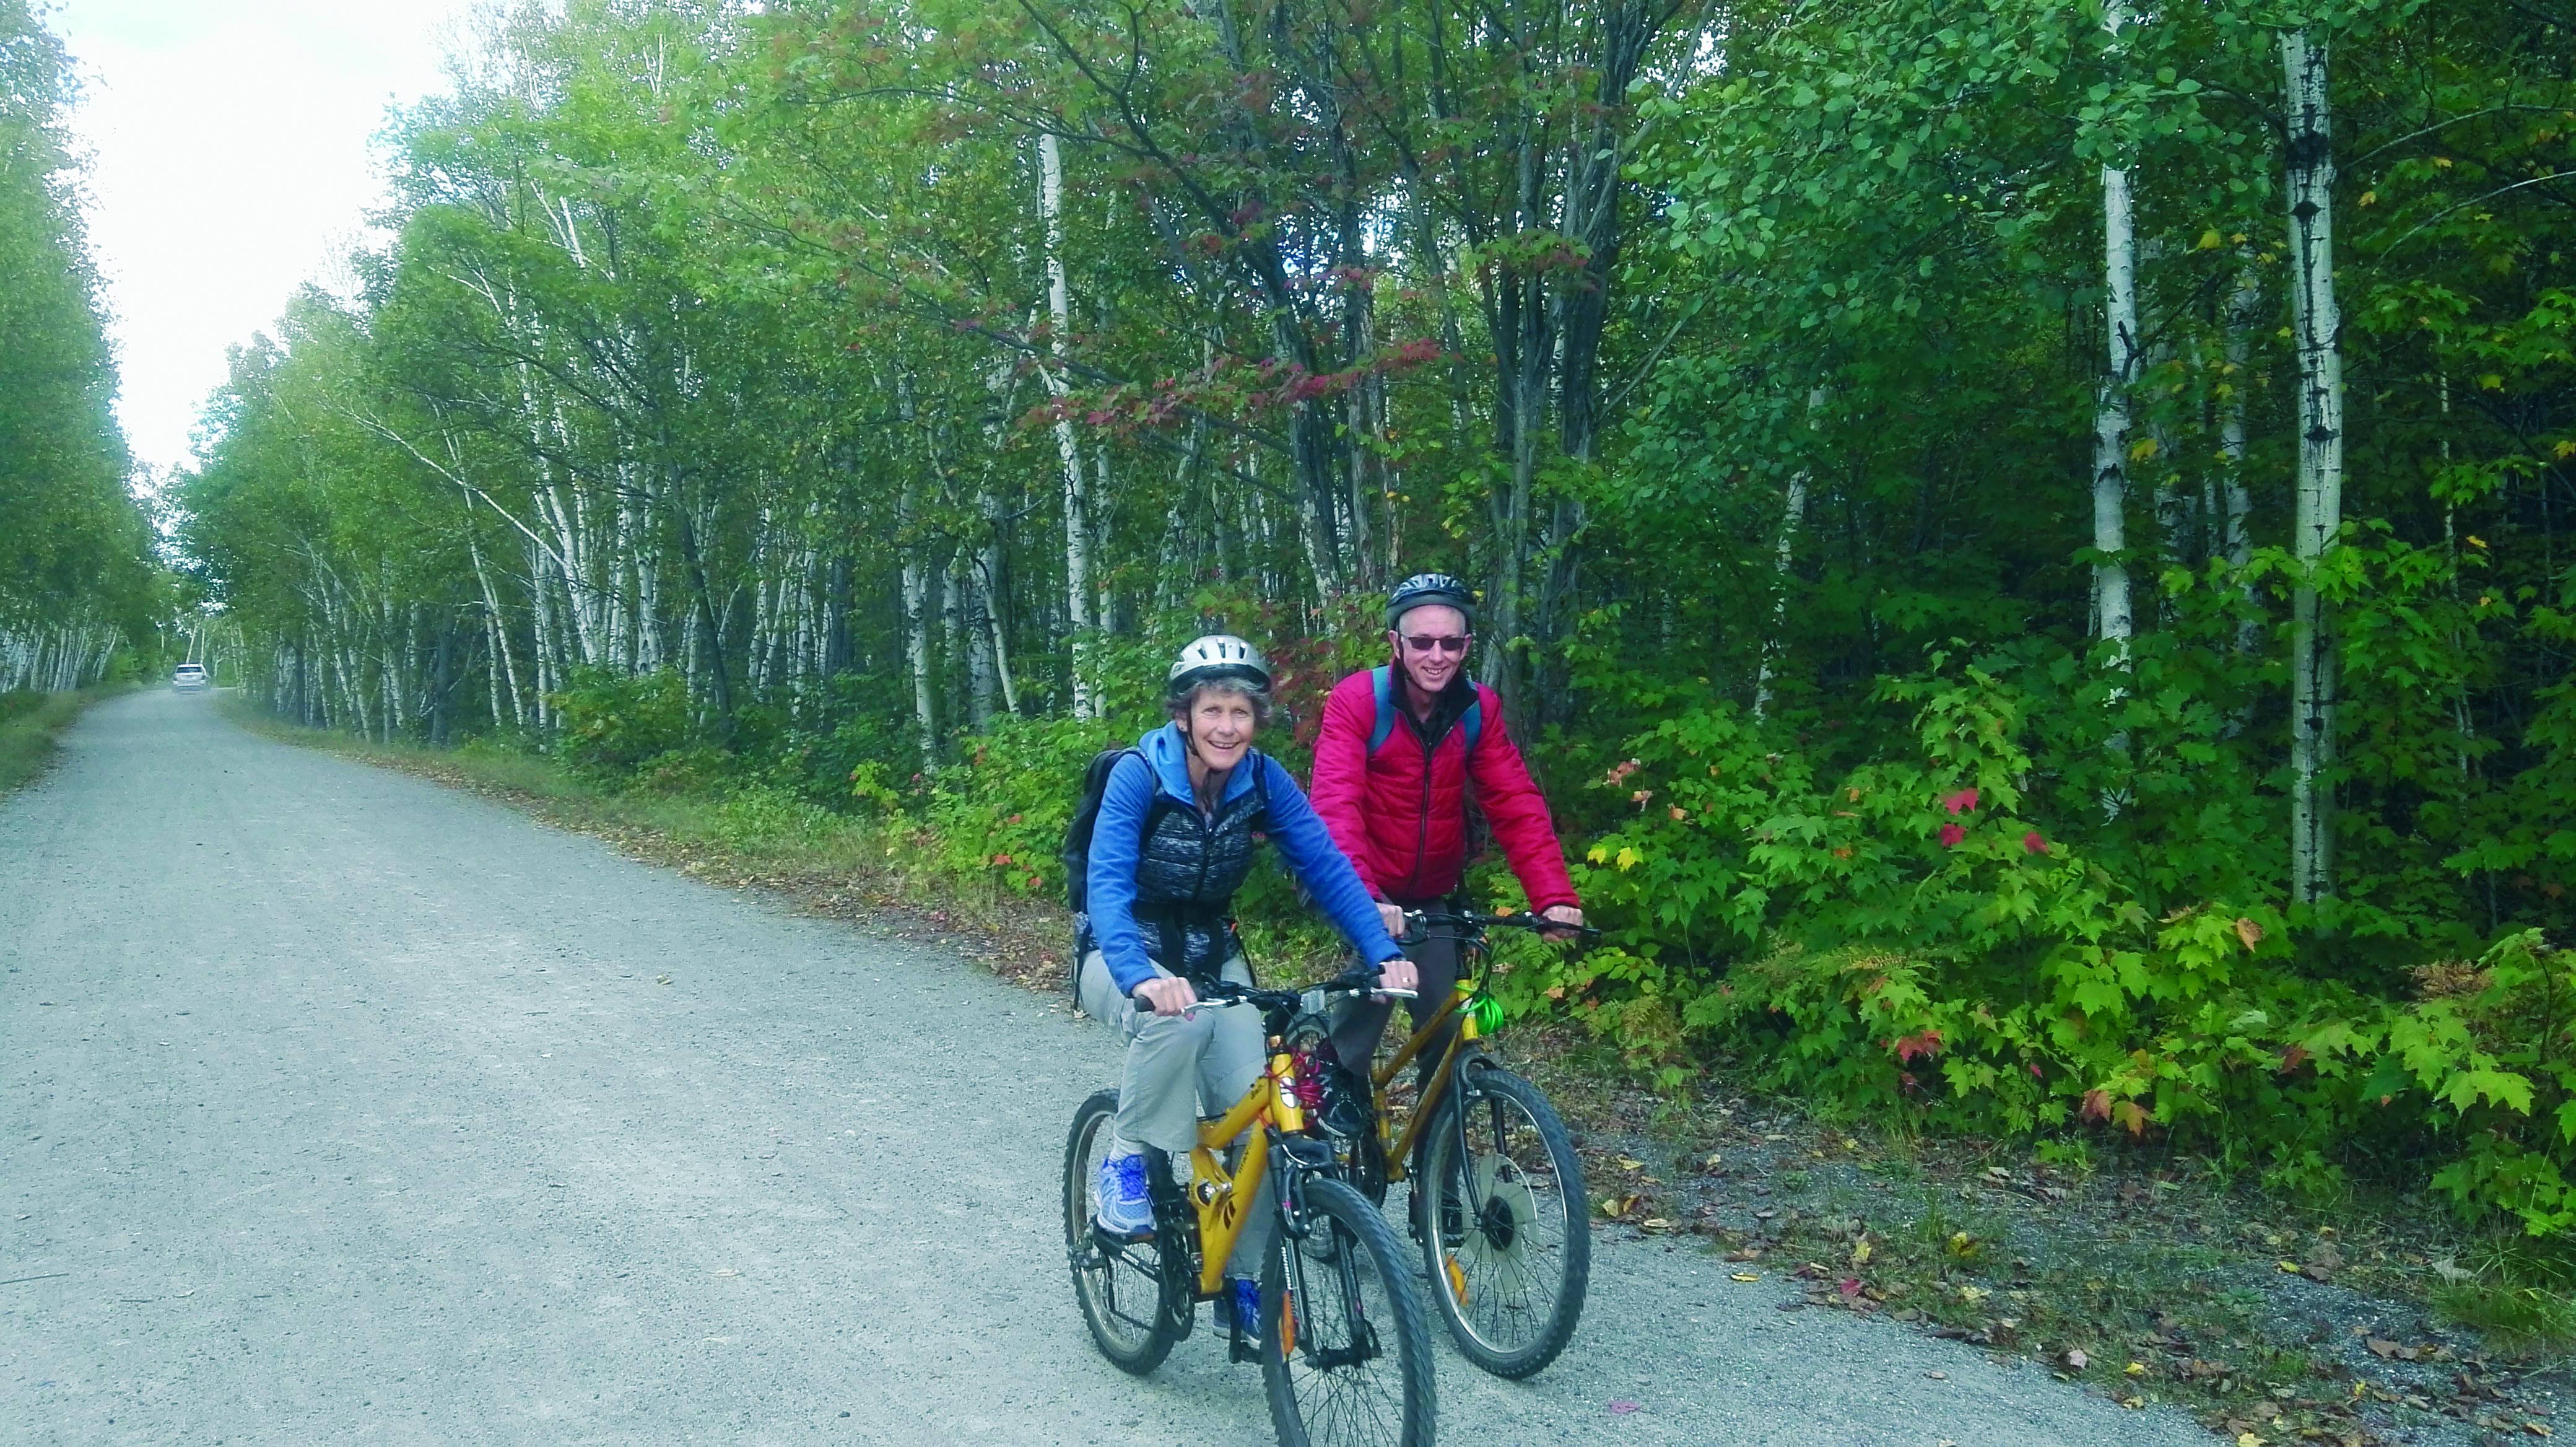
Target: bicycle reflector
[{"x": 1334, "y": 1098}]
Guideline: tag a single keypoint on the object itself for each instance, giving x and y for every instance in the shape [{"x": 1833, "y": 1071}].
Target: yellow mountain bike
[
  {"x": 1344, "y": 1347},
  {"x": 1487, "y": 1159}
]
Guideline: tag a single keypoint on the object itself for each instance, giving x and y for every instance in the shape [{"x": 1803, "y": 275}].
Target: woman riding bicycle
[{"x": 1172, "y": 841}]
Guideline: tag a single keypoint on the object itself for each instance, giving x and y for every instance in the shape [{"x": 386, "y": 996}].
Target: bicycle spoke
[
  {"x": 1509, "y": 1262},
  {"x": 1343, "y": 1372}
]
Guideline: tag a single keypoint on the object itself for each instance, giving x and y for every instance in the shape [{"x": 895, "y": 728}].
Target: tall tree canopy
[
  {"x": 2149, "y": 427},
  {"x": 76, "y": 570}
]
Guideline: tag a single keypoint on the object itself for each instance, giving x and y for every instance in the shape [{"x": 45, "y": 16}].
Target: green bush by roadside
[{"x": 1893, "y": 927}]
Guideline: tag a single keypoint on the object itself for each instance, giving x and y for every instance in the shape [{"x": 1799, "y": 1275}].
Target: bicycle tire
[
  {"x": 1522, "y": 1293},
  {"x": 1350, "y": 1253},
  {"x": 1134, "y": 1338}
]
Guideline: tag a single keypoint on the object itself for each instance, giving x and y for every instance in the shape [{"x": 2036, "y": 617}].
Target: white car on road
[{"x": 189, "y": 675}]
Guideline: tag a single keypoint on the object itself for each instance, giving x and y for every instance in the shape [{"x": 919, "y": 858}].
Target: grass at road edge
[
  {"x": 31, "y": 726},
  {"x": 2143, "y": 1281}
]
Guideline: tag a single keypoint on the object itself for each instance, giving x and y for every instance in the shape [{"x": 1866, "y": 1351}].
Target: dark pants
[{"x": 1358, "y": 1022}]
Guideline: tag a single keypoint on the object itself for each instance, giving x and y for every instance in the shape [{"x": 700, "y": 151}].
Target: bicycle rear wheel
[
  {"x": 1345, "y": 1348},
  {"x": 1122, "y": 1286},
  {"x": 1506, "y": 1230}
]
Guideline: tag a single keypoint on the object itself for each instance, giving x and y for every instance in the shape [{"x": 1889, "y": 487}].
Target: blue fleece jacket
[{"x": 1300, "y": 834}]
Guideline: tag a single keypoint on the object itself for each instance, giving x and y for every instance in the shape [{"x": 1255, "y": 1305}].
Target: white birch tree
[
  {"x": 2112, "y": 619},
  {"x": 1081, "y": 618},
  {"x": 2315, "y": 325}
]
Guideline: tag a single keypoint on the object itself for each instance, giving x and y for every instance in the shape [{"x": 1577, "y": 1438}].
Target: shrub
[
  {"x": 612, "y": 722},
  {"x": 1901, "y": 936}
]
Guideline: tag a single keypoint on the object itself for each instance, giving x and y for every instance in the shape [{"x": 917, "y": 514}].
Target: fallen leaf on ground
[
  {"x": 1748, "y": 1275},
  {"x": 1622, "y": 1409},
  {"x": 2077, "y": 1360}
]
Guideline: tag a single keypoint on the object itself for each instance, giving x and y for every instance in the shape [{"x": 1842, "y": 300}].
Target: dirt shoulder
[{"x": 31, "y": 726}]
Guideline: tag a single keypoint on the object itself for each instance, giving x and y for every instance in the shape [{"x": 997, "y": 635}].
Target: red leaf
[
  {"x": 1951, "y": 834},
  {"x": 2032, "y": 842},
  {"x": 1963, "y": 800}
]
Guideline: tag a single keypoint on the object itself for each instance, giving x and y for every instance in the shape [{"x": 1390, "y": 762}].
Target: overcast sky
[{"x": 232, "y": 164}]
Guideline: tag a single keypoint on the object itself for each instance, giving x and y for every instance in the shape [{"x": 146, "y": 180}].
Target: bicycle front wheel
[
  {"x": 1345, "y": 1348},
  {"x": 1121, "y": 1285},
  {"x": 1506, "y": 1229}
]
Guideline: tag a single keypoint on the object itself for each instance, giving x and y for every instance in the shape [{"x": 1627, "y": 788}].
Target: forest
[
  {"x": 77, "y": 574},
  {"x": 2024, "y": 535}
]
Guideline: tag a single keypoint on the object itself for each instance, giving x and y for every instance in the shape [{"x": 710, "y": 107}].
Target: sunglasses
[{"x": 1425, "y": 642}]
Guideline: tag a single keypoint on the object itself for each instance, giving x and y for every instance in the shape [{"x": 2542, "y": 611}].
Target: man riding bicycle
[{"x": 1400, "y": 746}]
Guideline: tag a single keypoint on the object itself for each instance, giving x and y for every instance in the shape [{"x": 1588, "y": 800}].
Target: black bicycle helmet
[
  {"x": 1214, "y": 657},
  {"x": 1425, "y": 589}
]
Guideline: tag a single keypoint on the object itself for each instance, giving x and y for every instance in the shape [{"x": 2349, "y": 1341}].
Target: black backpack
[{"x": 1076, "y": 855}]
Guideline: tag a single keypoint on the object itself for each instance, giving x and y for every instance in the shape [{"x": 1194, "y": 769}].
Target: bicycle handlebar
[
  {"x": 1349, "y": 982},
  {"x": 1522, "y": 920}
]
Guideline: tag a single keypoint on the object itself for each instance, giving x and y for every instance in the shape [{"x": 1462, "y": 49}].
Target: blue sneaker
[
  {"x": 1247, "y": 1307},
  {"x": 1119, "y": 1204}
]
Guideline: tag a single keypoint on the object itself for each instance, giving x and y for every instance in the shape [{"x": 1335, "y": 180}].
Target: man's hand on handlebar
[
  {"x": 1166, "y": 995},
  {"x": 1392, "y": 916},
  {"x": 1564, "y": 914}
]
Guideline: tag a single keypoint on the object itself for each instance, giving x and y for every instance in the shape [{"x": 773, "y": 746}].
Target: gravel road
[{"x": 336, "y": 1106}]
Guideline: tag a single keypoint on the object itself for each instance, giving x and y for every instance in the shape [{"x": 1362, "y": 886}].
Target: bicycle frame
[
  {"x": 1399, "y": 1151},
  {"x": 1222, "y": 1198}
]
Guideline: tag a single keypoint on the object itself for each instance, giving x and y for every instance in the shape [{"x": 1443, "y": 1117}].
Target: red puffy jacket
[{"x": 1399, "y": 810}]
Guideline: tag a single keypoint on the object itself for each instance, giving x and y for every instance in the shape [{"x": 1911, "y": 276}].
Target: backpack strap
[{"x": 1382, "y": 684}]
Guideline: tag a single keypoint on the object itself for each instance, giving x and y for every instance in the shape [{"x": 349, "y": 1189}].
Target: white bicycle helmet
[{"x": 1214, "y": 657}]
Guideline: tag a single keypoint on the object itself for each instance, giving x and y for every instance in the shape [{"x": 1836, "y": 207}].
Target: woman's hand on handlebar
[
  {"x": 1166, "y": 995},
  {"x": 1398, "y": 974}
]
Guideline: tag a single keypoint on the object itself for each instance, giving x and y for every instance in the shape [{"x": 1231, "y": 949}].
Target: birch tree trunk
[
  {"x": 1792, "y": 517},
  {"x": 2111, "y": 611},
  {"x": 916, "y": 628},
  {"x": 1080, "y": 617},
  {"x": 2316, "y": 327},
  {"x": 2235, "y": 539}
]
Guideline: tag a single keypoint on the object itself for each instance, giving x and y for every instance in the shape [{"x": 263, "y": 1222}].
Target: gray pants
[
  {"x": 1359, "y": 1021},
  {"x": 1178, "y": 1067}
]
